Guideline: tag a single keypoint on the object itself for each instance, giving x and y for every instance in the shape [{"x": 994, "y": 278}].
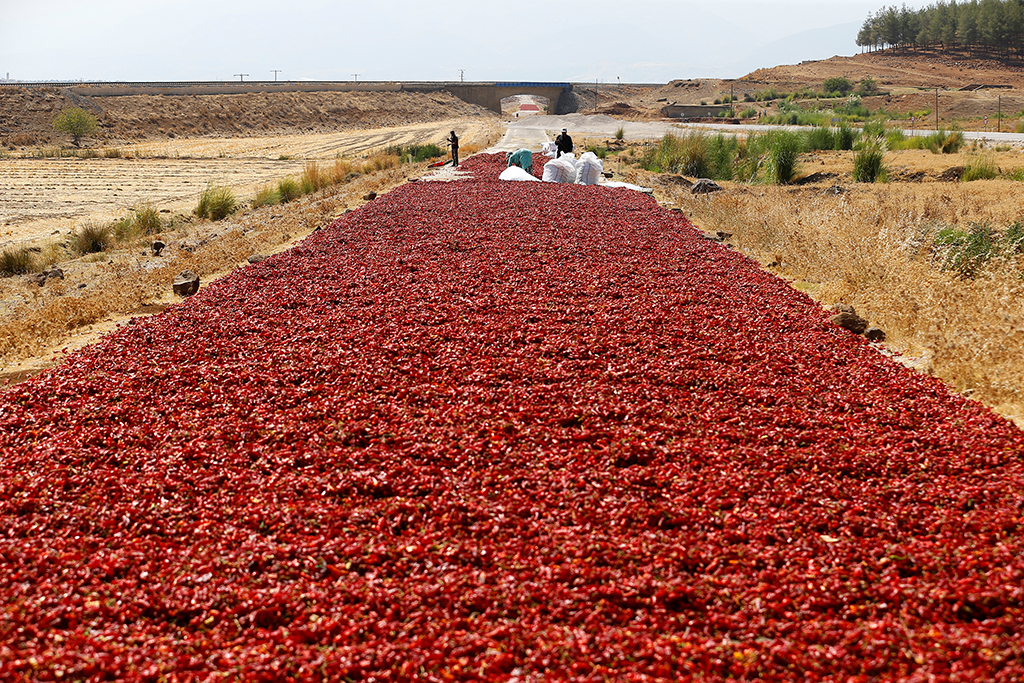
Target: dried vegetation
[{"x": 881, "y": 248}]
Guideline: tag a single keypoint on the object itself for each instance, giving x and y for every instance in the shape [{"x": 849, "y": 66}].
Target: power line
[{"x": 241, "y": 77}]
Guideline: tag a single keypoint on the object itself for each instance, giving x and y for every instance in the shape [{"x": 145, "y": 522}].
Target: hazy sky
[{"x": 529, "y": 40}]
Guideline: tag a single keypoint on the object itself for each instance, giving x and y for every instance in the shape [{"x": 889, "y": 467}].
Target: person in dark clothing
[
  {"x": 453, "y": 140},
  {"x": 564, "y": 143}
]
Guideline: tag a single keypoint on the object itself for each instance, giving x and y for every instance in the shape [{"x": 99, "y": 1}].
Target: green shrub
[
  {"x": 819, "y": 138},
  {"x": 778, "y": 152},
  {"x": 1013, "y": 238},
  {"x": 867, "y": 164},
  {"x": 216, "y": 202},
  {"x": 620, "y": 133},
  {"x": 288, "y": 190},
  {"x": 91, "y": 239},
  {"x": 722, "y": 152},
  {"x": 873, "y": 129},
  {"x": 967, "y": 252},
  {"x": 837, "y": 84},
  {"x": 845, "y": 137},
  {"x": 17, "y": 261},
  {"x": 147, "y": 220},
  {"x": 980, "y": 167},
  {"x": 76, "y": 122},
  {"x": 266, "y": 196},
  {"x": 696, "y": 154},
  {"x": 867, "y": 86},
  {"x": 944, "y": 142},
  {"x": 417, "y": 152},
  {"x": 748, "y": 113},
  {"x": 142, "y": 221}
]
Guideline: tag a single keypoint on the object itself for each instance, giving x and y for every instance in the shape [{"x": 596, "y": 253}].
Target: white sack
[
  {"x": 589, "y": 169},
  {"x": 516, "y": 173},
  {"x": 549, "y": 149},
  {"x": 560, "y": 170}
]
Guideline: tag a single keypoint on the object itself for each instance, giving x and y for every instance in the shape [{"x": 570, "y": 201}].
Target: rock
[
  {"x": 158, "y": 246},
  {"x": 54, "y": 273},
  {"x": 370, "y": 196},
  {"x": 723, "y": 236},
  {"x": 36, "y": 279},
  {"x": 875, "y": 334},
  {"x": 835, "y": 190},
  {"x": 850, "y": 321},
  {"x": 705, "y": 186},
  {"x": 256, "y": 258},
  {"x": 840, "y": 307},
  {"x": 186, "y": 284}
]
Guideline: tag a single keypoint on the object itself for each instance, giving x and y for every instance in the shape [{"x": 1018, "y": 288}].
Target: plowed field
[{"x": 42, "y": 196}]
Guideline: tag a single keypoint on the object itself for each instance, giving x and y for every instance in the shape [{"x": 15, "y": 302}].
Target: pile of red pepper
[{"x": 504, "y": 431}]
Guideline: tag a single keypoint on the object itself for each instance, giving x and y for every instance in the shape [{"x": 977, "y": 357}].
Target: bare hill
[
  {"x": 26, "y": 114},
  {"x": 902, "y": 68}
]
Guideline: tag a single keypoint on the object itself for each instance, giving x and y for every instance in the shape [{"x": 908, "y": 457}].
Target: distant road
[{"x": 601, "y": 125}]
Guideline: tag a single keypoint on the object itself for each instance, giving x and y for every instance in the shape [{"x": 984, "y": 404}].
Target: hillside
[{"x": 26, "y": 114}]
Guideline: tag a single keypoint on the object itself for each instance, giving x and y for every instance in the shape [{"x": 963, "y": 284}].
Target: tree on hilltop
[{"x": 76, "y": 122}]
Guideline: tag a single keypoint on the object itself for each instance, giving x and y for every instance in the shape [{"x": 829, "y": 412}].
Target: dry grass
[
  {"x": 35, "y": 320},
  {"x": 872, "y": 247}
]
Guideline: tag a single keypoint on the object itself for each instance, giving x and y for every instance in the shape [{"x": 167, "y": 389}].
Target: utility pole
[
  {"x": 936, "y": 109},
  {"x": 462, "y": 75},
  {"x": 276, "y": 71},
  {"x": 999, "y": 116},
  {"x": 241, "y": 77},
  {"x": 355, "y": 76}
]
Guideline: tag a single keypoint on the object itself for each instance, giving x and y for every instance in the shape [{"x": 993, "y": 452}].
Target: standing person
[
  {"x": 453, "y": 140},
  {"x": 564, "y": 143}
]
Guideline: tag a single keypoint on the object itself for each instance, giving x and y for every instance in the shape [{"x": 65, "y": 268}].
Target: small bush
[
  {"x": 76, "y": 122},
  {"x": 1013, "y": 238},
  {"x": 844, "y": 138},
  {"x": 819, "y": 138},
  {"x": 620, "y": 133},
  {"x": 17, "y": 261},
  {"x": 944, "y": 142},
  {"x": 776, "y": 153},
  {"x": 867, "y": 164},
  {"x": 980, "y": 167},
  {"x": 142, "y": 221},
  {"x": 288, "y": 190},
  {"x": 216, "y": 203},
  {"x": 266, "y": 196},
  {"x": 867, "y": 86},
  {"x": 313, "y": 179},
  {"x": 837, "y": 84},
  {"x": 91, "y": 239},
  {"x": 748, "y": 113},
  {"x": 147, "y": 221},
  {"x": 967, "y": 252}
]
